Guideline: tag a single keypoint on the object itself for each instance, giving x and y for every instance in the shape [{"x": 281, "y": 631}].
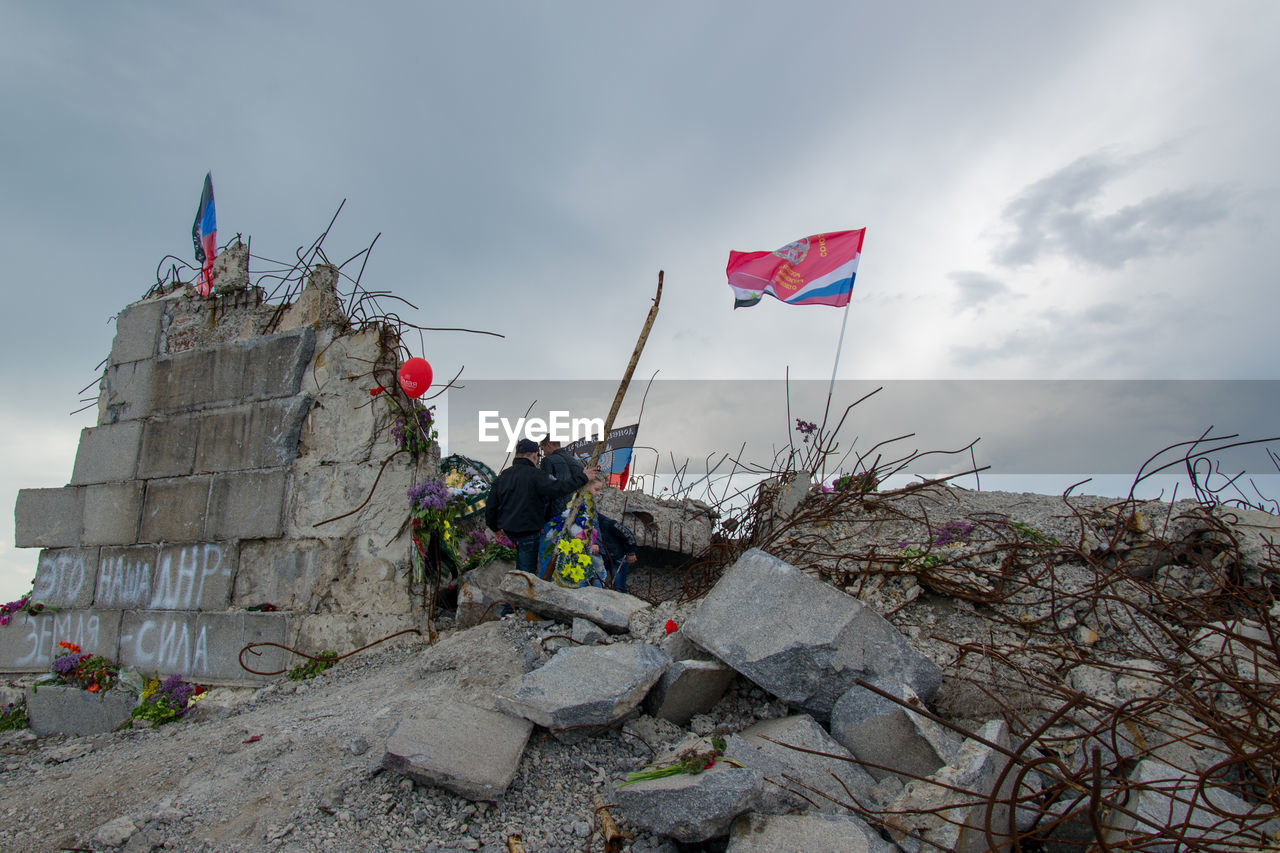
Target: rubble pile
[{"x": 926, "y": 668}]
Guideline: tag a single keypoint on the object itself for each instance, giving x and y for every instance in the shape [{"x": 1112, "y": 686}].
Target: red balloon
[{"x": 415, "y": 377}]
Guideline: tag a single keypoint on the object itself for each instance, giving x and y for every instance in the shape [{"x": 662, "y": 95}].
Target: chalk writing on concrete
[
  {"x": 46, "y": 631},
  {"x": 124, "y": 579},
  {"x": 186, "y": 573},
  {"x": 167, "y": 644},
  {"x": 60, "y": 576}
]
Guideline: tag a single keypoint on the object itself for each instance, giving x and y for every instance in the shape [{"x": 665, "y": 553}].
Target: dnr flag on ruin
[
  {"x": 615, "y": 458},
  {"x": 204, "y": 234},
  {"x": 815, "y": 270}
]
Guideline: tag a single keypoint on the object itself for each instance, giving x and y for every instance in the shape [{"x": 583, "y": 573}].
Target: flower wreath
[{"x": 567, "y": 541}]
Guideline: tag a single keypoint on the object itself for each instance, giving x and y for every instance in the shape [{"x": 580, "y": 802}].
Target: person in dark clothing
[
  {"x": 557, "y": 461},
  {"x": 518, "y": 502},
  {"x": 617, "y": 543}
]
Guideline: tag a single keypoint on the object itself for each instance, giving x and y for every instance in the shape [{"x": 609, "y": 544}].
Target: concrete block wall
[{"x": 203, "y": 491}]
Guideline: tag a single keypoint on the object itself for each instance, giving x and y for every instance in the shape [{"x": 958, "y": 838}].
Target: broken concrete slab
[
  {"x": 690, "y": 807},
  {"x": 678, "y": 526},
  {"x": 587, "y": 633},
  {"x": 884, "y": 734},
  {"x": 830, "y": 639},
  {"x": 796, "y": 779},
  {"x": 462, "y": 748},
  {"x": 476, "y": 662},
  {"x": 759, "y": 833},
  {"x": 63, "y": 709},
  {"x": 478, "y": 597},
  {"x": 681, "y": 647},
  {"x": 583, "y": 688},
  {"x": 610, "y": 610},
  {"x": 956, "y": 806},
  {"x": 137, "y": 331},
  {"x": 689, "y": 687},
  {"x": 1165, "y": 802}
]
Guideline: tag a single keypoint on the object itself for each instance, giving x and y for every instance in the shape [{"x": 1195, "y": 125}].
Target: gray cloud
[
  {"x": 1062, "y": 215},
  {"x": 977, "y": 289}
]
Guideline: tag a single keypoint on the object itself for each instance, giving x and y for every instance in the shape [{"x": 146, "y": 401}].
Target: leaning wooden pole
[{"x": 626, "y": 377}]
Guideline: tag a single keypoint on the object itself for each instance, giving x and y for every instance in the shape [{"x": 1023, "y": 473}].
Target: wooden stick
[
  {"x": 626, "y": 377},
  {"x": 613, "y": 837},
  {"x": 515, "y": 844}
]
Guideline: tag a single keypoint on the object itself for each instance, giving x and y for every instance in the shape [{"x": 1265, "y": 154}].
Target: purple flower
[
  {"x": 953, "y": 532},
  {"x": 430, "y": 494},
  {"x": 66, "y": 664},
  {"x": 177, "y": 691}
]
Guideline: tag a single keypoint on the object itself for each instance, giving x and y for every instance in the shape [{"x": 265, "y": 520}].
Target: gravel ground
[{"x": 294, "y": 766}]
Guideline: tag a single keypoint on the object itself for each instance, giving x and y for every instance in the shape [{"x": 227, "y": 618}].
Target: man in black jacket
[
  {"x": 557, "y": 461},
  {"x": 518, "y": 502}
]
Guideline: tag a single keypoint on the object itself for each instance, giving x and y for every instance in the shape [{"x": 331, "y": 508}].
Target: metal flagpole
[{"x": 839, "y": 345}]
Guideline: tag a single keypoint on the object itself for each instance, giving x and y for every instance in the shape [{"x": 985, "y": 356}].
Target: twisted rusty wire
[{"x": 252, "y": 648}]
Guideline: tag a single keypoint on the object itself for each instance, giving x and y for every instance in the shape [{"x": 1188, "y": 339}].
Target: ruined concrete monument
[{"x": 221, "y": 498}]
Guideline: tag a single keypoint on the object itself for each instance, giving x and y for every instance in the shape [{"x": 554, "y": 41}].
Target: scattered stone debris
[{"x": 847, "y": 669}]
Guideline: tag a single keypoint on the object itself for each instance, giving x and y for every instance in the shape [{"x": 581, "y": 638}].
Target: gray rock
[
  {"x": 757, "y": 833},
  {"x": 829, "y": 639},
  {"x": 950, "y": 809},
  {"x": 883, "y": 733},
  {"x": 1173, "y": 803},
  {"x": 585, "y": 687},
  {"x": 476, "y": 662},
  {"x": 689, "y": 687},
  {"x": 679, "y": 526},
  {"x": 62, "y": 709},
  {"x": 609, "y": 609},
  {"x": 689, "y": 807},
  {"x": 795, "y": 778},
  {"x": 681, "y": 647},
  {"x": 470, "y": 751},
  {"x": 115, "y": 833},
  {"x": 587, "y": 633},
  {"x": 478, "y": 596}
]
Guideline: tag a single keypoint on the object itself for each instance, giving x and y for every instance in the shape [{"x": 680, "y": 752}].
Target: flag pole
[
  {"x": 839, "y": 346},
  {"x": 626, "y": 377}
]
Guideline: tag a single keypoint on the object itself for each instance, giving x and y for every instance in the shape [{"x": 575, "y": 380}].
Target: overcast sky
[{"x": 1051, "y": 191}]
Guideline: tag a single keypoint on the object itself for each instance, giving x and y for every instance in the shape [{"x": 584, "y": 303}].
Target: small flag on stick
[
  {"x": 204, "y": 234},
  {"x": 817, "y": 270}
]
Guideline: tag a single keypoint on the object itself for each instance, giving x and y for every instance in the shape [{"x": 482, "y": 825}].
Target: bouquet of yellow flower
[{"x": 568, "y": 540}]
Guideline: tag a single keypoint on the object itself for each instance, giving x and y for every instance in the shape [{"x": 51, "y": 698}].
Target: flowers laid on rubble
[
  {"x": 460, "y": 482},
  {"x": 953, "y": 533},
  {"x": 314, "y": 666},
  {"x": 863, "y": 482},
  {"x": 431, "y": 509},
  {"x": 671, "y": 627},
  {"x": 168, "y": 700},
  {"x": 691, "y": 761},
  {"x": 13, "y": 715},
  {"x": 480, "y": 548},
  {"x": 431, "y": 514},
  {"x": 24, "y": 604},
  {"x": 570, "y": 540},
  {"x": 76, "y": 668},
  {"x": 415, "y": 430}
]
